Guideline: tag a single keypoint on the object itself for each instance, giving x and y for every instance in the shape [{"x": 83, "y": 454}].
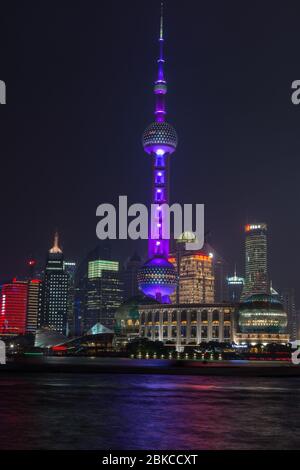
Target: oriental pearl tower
[{"x": 157, "y": 278}]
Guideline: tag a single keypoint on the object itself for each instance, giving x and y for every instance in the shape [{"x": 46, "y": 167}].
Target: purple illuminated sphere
[
  {"x": 160, "y": 136},
  {"x": 157, "y": 278}
]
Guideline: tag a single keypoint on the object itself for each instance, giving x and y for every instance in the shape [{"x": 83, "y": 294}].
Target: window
[
  {"x": 226, "y": 332},
  {"x": 193, "y": 331},
  {"x": 227, "y": 316},
  {"x": 204, "y": 315},
  {"x": 215, "y": 332},
  {"x": 183, "y": 316},
  {"x": 194, "y": 316},
  {"x": 174, "y": 316},
  {"x": 204, "y": 332},
  {"x": 165, "y": 317},
  {"x": 215, "y": 315}
]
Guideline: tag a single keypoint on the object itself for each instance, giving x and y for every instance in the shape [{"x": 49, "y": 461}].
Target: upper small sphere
[
  {"x": 187, "y": 237},
  {"x": 160, "y": 136}
]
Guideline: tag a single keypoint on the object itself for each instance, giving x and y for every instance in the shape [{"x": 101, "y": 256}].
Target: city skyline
[
  {"x": 259, "y": 180},
  {"x": 192, "y": 332}
]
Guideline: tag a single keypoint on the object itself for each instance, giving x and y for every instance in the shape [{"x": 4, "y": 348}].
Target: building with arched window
[{"x": 187, "y": 324}]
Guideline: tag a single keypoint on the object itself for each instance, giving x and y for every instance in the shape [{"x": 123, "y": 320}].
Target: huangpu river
[{"x": 148, "y": 411}]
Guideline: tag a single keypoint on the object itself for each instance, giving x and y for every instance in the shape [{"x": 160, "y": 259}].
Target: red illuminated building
[{"x": 13, "y": 308}]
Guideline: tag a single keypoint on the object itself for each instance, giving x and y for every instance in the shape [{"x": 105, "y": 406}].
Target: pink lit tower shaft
[{"x": 157, "y": 278}]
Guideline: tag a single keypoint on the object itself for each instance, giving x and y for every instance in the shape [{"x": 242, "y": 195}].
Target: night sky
[{"x": 79, "y": 79}]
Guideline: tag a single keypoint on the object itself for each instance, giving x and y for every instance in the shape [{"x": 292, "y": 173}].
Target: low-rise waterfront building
[{"x": 187, "y": 324}]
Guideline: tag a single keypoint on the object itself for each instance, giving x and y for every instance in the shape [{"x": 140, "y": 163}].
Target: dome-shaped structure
[
  {"x": 127, "y": 317},
  {"x": 160, "y": 136},
  {"x": 187, "y": 237},
  {"x": 157, "y": 278},
  {"x": 262, "y": 313}
]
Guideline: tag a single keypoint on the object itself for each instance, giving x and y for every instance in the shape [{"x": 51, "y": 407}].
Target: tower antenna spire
[
  {"x": 56, "y": 248},
  {"x": 161, "y": 33}
]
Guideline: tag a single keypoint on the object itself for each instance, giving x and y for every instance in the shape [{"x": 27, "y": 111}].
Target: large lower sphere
[{"x": 157, "y": 277}]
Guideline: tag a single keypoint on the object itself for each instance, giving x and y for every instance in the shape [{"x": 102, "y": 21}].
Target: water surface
[{"x": 112, "y": 411}]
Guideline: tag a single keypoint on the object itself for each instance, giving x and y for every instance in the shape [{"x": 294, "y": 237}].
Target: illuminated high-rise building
[
  {"x": 196, "y": 281},
  {"x": 256, "y": 273},
  {"x": 55, "y": 291},
  {"x": 13, "y": 307},
  {"x": 289, "y": 304},
  {"x": 235, "y": 287},
  {"x": 157, "y": 277},
  {"x": 34, "y": 305},
  {"x": 70, "y": 268},
  {"x": 103, "y": 293},
  {"x": 220, "y": 271},
  {"x": 129, "y": 276}
]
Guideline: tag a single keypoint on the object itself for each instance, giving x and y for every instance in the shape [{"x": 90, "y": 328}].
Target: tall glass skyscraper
[
  {"x": 235, "y": 287},
  {"x": 103, "y": 293},
  {"x": 70, "y": 268},
  {"x": 55, "y": 291},
  {"x": 256, "y": 268},
  {"x": 289, "y": 303},
  {"x": 33, "y": 305}
]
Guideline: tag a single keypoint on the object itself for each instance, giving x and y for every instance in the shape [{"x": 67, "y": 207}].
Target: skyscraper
[
  {"x": 13, "y": 308},
  {"x": 196, "y": 281},
  {"x": 55, "y": 291},
  {"x": 129, "y": 276},
  {"x": 256, "y": 274},
  {"x": 34, "y": 300},
  {"x": 101, "y": 252},
  {"x": 103, "y": 293},
  {"x": 289, "y": 304},
  {"x": 235, "y": 287},
  {"x": 70, "y": 268},
  {"x": 157, "y": 278},
  {"x": 220, "y": 273}
]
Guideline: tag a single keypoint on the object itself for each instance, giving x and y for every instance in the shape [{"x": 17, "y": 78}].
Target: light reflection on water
[{"x": 111, "y": 411}]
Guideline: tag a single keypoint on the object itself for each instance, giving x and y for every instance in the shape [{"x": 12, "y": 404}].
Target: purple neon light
[{"x": 159, "y": 276}]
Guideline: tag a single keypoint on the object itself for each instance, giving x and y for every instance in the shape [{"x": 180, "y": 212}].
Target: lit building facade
[
  {"x": 70, "y": 268},
  {"x": 104, "y": 293},
  {"x": 13, "y": 308},
  {"x": 34, "y": 305},
  {"x": 195, "y": 277},
  {"x": 289, "y": 304},
  {"x": 220, "y": 272},
  {"x": 256, "y": 272},
  {"x": 101, "y": 252},
  {"x": 129, "y": 276},
  {"x": 187, "y": 324},
  {"x": 55, "y": 291},
  {"x": 235, "y": 287}
]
